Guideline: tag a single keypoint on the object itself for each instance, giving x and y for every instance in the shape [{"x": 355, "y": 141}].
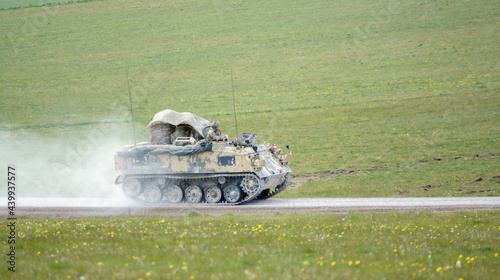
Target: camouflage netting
[{"x": 200, "y": 146}]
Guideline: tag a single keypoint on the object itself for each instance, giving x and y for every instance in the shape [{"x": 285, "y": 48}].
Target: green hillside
[
  {"x": 19, "y": 4},
  {"x": 350, "y": 85}
]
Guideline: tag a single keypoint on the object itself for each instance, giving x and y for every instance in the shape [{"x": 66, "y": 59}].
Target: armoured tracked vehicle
[{"x": 180, "y": 165}]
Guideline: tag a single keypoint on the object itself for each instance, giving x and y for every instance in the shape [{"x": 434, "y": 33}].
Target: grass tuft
[{"x": 193, "y": 213}]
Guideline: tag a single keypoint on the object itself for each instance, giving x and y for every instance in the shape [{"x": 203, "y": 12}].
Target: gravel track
[{"x": 87, "y": 207}]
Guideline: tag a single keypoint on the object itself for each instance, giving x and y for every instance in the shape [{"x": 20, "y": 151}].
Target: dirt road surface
[{"x": 94, "y": 207}]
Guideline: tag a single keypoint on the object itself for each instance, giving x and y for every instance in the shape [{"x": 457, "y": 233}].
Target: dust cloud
[{"x": 76, "y": 162}]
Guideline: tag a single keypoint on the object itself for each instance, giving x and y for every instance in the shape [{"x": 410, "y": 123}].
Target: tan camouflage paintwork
[{"x": 263, "y": 163}]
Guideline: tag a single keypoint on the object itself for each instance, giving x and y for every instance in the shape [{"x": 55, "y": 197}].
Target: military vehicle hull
[{"x": 226, "y": 174}]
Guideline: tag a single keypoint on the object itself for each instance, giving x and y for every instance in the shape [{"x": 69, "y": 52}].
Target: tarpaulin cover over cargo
[{"x": 175, "y": 118}]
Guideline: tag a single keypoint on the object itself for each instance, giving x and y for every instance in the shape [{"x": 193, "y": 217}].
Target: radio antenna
[
  {"x": 234, "y": 106},
  {"x": 131, "y": 110}
]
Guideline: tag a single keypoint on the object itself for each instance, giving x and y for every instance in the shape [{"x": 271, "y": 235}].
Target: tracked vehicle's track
[
  {"x": 278, "y": 189},
  {"x": 250, "y": 193}
]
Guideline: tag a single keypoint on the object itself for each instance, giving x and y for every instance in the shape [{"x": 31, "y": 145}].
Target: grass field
[
  {"x": 404, "y": 94},
  {"x": 348, "y": 85},
  {"x": 355, "y": 246}
]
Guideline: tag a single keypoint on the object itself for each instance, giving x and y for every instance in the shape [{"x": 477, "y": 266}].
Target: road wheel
[
  {"x": 152, "y": 194},
  {"x": 213, "y": 194},
  {"x": 194, "y": 194},
  {"x": 132, "y": 187},
  {"x": 174, "y": 194},
  {"x": 232, "y": 193}
]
